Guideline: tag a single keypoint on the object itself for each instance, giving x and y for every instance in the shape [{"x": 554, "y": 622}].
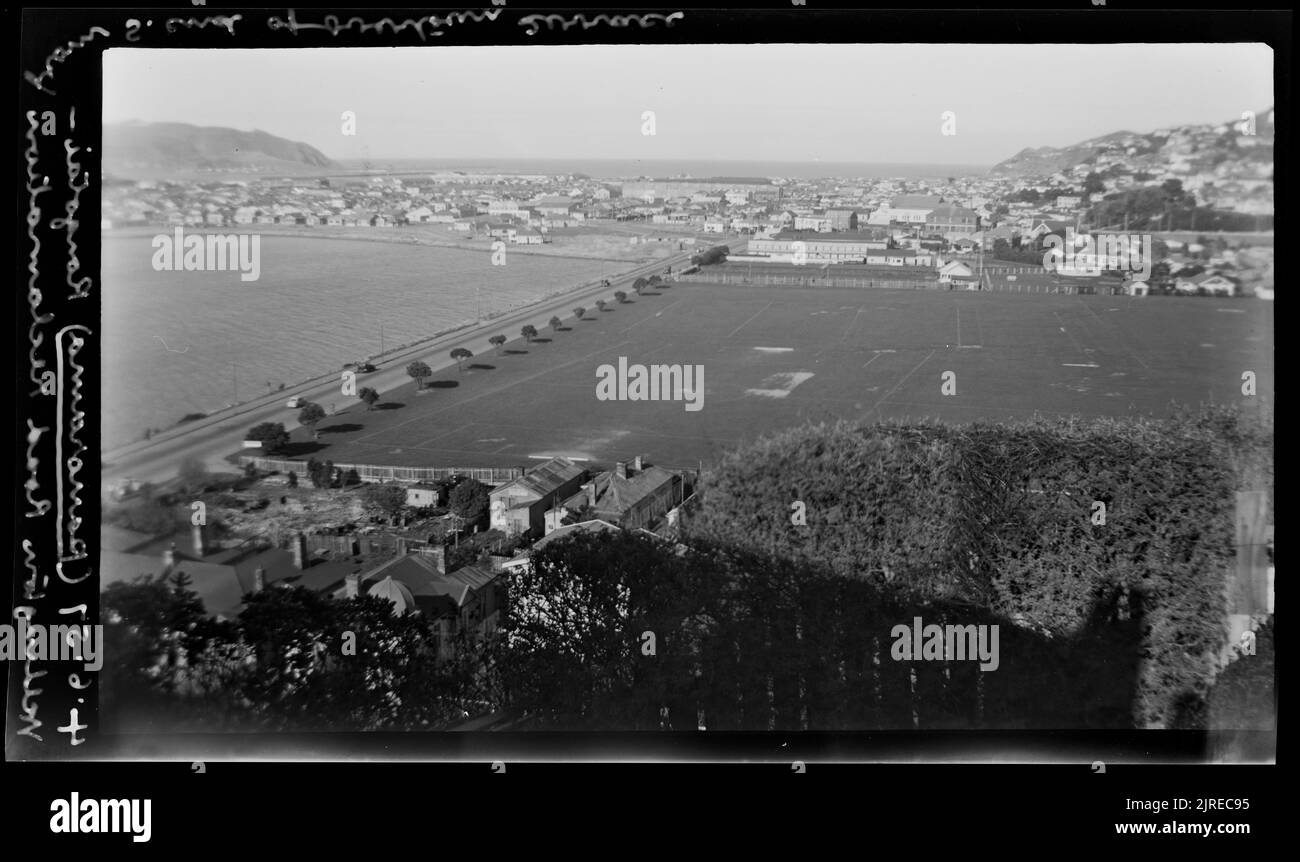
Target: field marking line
[
  {"x": 747, "y": 322},
  {"x": 1132, "y": 351},
  {"x": 1057, "y": 315},
  {"x": 957, "y": 305},
  {"x": 512, "y": 384},
  {"x": 652, "y": 317},
  {"x": 872, "y": 359},
  {"x": 852, "y": 323},
  {"x": 902, "y": 381},
  {"x": 422, "y": 442}
]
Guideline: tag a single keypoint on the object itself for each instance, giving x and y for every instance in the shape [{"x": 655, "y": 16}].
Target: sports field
[{"x": 777, "y": 356}]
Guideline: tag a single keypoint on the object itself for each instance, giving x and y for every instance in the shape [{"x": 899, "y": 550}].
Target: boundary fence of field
[
  {"x": 807, "y": 279},
  {"x": 376, "y": 473}
]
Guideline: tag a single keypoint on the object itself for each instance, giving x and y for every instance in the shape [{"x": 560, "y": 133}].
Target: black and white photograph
[{"x": 659, "y": 388}]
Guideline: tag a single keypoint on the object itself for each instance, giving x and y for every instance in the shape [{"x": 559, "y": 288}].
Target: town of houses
[
  {"x": 959, "y": 223},
  {"x": 413, "y": 559}
]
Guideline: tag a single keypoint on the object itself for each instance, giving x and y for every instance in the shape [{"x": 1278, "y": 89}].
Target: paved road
[{"x": 213, "y": 438}]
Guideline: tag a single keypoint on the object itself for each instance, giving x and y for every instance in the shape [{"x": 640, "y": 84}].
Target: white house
[
  {"x": 1208, "y": 282},
  {"x": 954, "y": 271}
]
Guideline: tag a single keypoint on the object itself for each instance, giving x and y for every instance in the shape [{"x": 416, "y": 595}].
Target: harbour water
[{"x": 191, "y": 342}]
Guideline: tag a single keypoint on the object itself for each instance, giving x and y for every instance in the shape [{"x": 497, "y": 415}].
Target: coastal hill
[
  {"x": 139, "y": 149},
  {"x": 1207, "y": 144}
]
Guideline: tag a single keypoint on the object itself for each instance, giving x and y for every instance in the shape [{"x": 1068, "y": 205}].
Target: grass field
[{"x": 774, "y": 357}]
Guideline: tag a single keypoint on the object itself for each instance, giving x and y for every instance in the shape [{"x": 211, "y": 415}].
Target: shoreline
[
  {"x": 232, "y": 410},
  {"x": 369, "y": 234}
]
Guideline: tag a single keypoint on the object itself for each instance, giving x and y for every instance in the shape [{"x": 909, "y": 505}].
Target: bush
[
  {"x": 469, "y": 500},
  {"x": 999, "y": 517}
]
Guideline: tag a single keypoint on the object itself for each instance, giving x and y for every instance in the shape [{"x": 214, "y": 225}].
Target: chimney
[
  {"x": 298, "y": 545},
  {"x": 200, "y": 532},
  {"x": 591, "y": 493},
  {"x": 401, "y": 546},
  {"x": 439, "y": 554},
  {"x": 352, "y": 584},
  {"x": 169, "y": 556},
  {"x": 259, "y": 579},
  {"x": 637, "y": 462},
  {"x": 620, "y": 467}
]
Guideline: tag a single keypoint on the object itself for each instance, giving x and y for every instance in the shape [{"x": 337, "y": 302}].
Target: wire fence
[
  {"x": 377, "y": 473},
  {"x": 811, "y": 279}
]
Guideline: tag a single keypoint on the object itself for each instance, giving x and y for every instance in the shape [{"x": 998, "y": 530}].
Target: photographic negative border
[{"x": 52, "y": 708}]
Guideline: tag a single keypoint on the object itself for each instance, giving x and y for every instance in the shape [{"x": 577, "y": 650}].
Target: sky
[{"x": 834, "y": 103}]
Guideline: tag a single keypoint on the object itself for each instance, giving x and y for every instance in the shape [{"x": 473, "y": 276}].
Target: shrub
[{"x": 999, "y": 517}]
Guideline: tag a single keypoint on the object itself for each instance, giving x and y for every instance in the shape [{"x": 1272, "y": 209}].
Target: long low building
[
  {"x": 754, "y": 187},
  {"x": 828, "y": 250}
]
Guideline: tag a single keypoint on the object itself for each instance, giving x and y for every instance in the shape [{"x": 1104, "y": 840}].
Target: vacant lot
[{"x": 774, "y": 357}]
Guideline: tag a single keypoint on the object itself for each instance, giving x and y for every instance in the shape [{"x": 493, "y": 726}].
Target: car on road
[
  {"x": 359, "y": 367},
  {"x": 295, "y": 402}
]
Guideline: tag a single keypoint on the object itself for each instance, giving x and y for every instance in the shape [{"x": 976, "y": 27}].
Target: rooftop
[{"x": 544, "y": 478}]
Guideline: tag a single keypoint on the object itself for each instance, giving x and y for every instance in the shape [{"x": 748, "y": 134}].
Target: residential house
[
  {"x": 220, "y": 576},
  {"x": 957, "y": 274},
  {"x": 634, "y": 495},
  {"x": 468, "y": 601},
  {"x": 422, "y": 495},
  {"x": 1212, "y": 283},
  {"x": 520, "y": 505}
]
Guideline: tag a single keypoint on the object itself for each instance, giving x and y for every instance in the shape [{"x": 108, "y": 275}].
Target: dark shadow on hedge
[{"x": 760, "y": 642}]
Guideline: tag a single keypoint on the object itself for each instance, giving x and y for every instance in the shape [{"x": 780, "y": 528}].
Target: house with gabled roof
[
  {"x": 1213, "y": 283},
  {"x": 469, "y": 600},
  {"x": 520, "y": 505},
  {"x": 632, "y": 495}
]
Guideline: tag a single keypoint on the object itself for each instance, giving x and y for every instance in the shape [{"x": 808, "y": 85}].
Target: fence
[
  {"x": 375, "y": 473},
  {"x": 809, "y": 279}
]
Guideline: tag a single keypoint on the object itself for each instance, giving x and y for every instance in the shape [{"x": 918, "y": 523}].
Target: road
[{"x": 213, "y": 438}]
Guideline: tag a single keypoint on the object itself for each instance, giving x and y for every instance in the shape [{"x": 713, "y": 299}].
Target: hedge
[{"x": 1000, "y": 517}]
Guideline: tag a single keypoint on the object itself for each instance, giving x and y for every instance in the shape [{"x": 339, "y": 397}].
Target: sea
[
  {"x": 665, "y": 169},
  {"x": 192, "y": 342}
]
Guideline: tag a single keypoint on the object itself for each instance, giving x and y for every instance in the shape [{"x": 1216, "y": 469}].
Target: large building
[
  {"x": 950, "y": 218},
  {"x": 910, "y": 209},
  {"x": 843, "y": 219},
  {"x": 850, "y": 247},
  {"x": 755, "y": 188}
]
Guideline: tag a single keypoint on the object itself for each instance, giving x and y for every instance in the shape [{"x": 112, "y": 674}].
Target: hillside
[
  {"x": 139, "y": 149},
  {"x": 1205, "y": 146}
]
